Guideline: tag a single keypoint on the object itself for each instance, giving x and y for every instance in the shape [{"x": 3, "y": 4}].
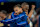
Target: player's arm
[
  {"x": 8, "y": 20},
  {"x": 31, "y": 12},
  {"x": 27, "y": 19}
]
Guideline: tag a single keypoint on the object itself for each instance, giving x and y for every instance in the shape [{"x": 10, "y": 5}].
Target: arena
[{"x": 19, "y": 13}]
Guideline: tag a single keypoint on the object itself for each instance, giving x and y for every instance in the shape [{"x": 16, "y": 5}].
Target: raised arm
[
  {"x": 7, "y": 21},
  {"x": 31, "y": 12}
]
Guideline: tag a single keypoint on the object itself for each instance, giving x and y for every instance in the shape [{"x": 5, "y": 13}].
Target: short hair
[
  {"x": 18, "y": 5},
  {"x": 4, "y": 12},
  {"x": 24, "y": 3}
]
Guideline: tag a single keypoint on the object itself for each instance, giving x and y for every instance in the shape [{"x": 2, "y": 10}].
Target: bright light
[{"x": 2, "y": 3}]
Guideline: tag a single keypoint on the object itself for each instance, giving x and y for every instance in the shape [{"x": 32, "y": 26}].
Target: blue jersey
[
  {"x": 21, "y": 20},
  {"x": 18, "y": 20}
]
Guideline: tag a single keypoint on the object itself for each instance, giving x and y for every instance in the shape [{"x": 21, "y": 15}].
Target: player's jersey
[{"x": 20, "y": 20}]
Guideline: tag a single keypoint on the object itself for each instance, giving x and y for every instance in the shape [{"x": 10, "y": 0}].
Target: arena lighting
[{"x": 2, "y": 3}]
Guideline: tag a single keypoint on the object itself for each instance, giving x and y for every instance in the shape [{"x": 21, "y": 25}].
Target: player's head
[
  {"x": 25, "y": 6},
  {"x": 17, "y": 8},
  {"x": 3, "y": 13}
]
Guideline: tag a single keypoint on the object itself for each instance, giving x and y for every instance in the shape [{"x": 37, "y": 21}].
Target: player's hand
[{"x": 33, "y": 6}]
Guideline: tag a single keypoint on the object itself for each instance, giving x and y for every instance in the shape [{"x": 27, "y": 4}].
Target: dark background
[{"x": 8, "y": 6}]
